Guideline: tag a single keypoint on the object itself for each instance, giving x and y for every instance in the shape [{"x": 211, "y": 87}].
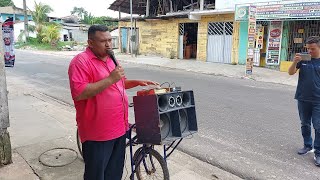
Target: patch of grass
[{"x": 33, "y": 43}]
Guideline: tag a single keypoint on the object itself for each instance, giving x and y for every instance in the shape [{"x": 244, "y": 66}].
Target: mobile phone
[{"x": 305, "y": 57}]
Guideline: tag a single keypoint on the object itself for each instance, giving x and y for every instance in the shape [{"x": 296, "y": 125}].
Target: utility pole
[
  {"x": 5, "y": 144},
  {"x": 26, "y": 34},
  {"x": 131, "y": 30},
  {"x": 148, "y": 8}
]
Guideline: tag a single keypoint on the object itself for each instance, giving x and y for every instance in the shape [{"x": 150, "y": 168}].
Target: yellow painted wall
[
  {"x": 157, "y": 37},
  {"x": 284, "y": 65},
  {"x": 235, "y": 43},
  {"x": 160, "y": 37}
]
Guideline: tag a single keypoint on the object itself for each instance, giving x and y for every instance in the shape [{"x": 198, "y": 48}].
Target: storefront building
[
  {"x": 281, "y": 31},
  {"x": 207, "y": 39},
  {"x": 201, "y": 30}
]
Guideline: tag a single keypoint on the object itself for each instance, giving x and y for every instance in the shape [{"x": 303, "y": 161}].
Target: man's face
[
  {"x": 313, "y": 50},
  {"x": 100, "y": 43},
  {"x": 7, "y": 41}
]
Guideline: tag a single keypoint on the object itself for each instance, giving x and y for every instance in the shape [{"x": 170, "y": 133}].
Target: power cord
[{"x": 165, "y": 83}]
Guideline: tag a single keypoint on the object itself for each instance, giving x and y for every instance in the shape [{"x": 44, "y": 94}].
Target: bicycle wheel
[
  {"x": 152, "y": 165},
  {"x": 79, "y": 144}
]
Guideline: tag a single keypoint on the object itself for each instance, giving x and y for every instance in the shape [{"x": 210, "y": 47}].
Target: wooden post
[{"x": 5, "y": 144}]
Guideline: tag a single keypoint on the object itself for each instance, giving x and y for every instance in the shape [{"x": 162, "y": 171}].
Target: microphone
[{"x": 111, "y": 55}]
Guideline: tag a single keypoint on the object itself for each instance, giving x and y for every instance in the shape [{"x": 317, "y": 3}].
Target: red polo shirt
[{"x": 104, "y": 116}]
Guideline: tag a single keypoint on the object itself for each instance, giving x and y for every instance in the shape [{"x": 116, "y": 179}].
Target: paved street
[{"x": 246, "y": 127}]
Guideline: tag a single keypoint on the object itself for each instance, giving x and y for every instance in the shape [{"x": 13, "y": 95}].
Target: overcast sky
[{"x": 63, "y": 7}]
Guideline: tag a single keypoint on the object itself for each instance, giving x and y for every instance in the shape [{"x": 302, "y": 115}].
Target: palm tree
[
  {"x": 89, "y": 19},
  {"x": 4, "y": 3},
  {"x": 40, "y": 16},
  {"x": 80, "y": 12},
  {"x": 51, "y": 34}
]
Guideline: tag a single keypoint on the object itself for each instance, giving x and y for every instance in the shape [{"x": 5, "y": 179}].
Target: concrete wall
[
  {"x": 157, "y": 37},
  {"x": 160, "y": 37},
  {"x": 62, "y": 33},
  {"x": 79, "y": 35},
  {"x": 18, "y": 27}
]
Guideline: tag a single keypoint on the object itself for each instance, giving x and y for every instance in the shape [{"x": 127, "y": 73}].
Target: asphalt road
[{"x": 245, "y": 127}]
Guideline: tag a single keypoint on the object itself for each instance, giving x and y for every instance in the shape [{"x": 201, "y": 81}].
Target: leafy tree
[
  {"x": 31, "y": 28},
  {"x": 51, "y": 34},
  {"x": 4, "y": 3},
  {"x": 88, "y": 18},
  {"x": 80, "y": 12},
  {"x": 40, "y": 17}
]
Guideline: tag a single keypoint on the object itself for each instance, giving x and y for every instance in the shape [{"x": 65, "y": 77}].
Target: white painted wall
[
  {"x": 18, "y": 27},
  {"x": 115, "y": 33},
  {"x": 63, "y": 32}
]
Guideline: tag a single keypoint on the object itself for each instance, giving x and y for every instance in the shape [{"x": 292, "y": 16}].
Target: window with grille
[
  {"x": 220, "y": 28},
  {"x": 299, "y": 31}
]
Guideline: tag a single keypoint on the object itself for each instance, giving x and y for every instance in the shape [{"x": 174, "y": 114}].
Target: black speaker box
[{"x": 163, "y": 118}]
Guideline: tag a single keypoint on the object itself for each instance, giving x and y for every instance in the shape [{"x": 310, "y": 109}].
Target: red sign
[{"x": 275, "y": 33}]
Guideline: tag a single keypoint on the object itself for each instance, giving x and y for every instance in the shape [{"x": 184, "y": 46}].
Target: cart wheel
[
  {"x": 152, "y": 165},
  {"x": 79, "y": 144}
]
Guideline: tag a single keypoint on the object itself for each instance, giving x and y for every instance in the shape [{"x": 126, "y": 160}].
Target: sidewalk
[
  {"x": 227, "y": 70},
  {"x": 40, "y": 123}
]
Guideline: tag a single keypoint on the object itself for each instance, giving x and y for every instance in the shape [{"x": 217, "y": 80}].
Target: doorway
[
  {"x": 188, "y": 38},
  {"x": 219, "y": 45}
]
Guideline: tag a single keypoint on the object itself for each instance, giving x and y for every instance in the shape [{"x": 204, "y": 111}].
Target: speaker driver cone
[
  {"x": 172, "y": 101},
  {"x": 183, "y": 120},
  {"x": 163, "y": 102},
  {"x": 186, "y": 99},
  {"x": 179, "y": 100},
  {"x": 164, "y": 125}
]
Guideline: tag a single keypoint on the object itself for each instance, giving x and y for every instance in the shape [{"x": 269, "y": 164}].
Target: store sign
[
  {"x": 274, "y": 43},
  {"x": 242, "y": 13},
  {"x": 283, "y": 11},
  {"x": 259, "y": 36},
  {"x": 289, "y": 11},
  {"x": 251, "y": 39}
]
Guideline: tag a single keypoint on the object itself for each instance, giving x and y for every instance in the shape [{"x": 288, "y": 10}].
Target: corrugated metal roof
[{"x": 125, "y": 7}]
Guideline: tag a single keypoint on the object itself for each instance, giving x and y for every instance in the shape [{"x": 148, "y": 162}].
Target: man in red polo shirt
[{"x": 98, "y": 90}]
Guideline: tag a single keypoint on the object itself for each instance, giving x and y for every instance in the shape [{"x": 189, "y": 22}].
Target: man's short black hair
[
  {"x": 313, "y": 39},
  {"x": 94, "y": 28}
]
